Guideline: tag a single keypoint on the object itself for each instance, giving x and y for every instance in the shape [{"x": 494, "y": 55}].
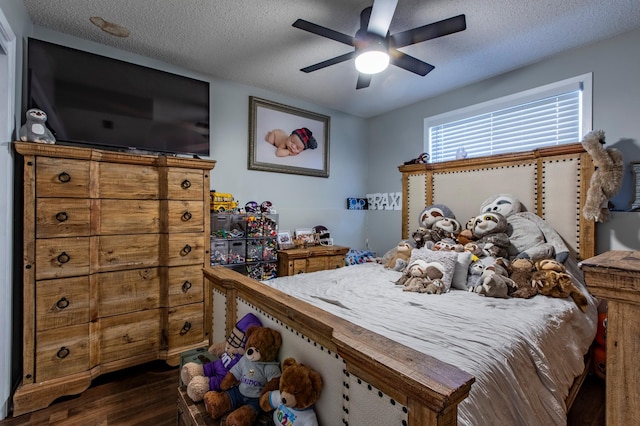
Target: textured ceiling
[{"x": 253, "y": 42}]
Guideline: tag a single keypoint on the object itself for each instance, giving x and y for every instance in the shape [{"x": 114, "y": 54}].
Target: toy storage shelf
[{"x": 245, "y": 243}]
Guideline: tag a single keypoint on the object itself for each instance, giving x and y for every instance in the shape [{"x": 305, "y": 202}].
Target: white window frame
[{"x": 583, "y": 82}]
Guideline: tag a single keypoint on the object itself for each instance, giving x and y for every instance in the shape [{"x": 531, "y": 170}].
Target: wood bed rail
[{"x": 429, "y": 388}]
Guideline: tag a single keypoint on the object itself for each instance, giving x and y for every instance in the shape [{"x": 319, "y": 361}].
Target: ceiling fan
[{"x": 373, "y": 39}]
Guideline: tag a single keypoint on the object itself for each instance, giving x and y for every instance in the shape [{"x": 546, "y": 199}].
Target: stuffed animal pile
[
  {"x": 423, "y": 277},
  {"x": 202, "y": 378},
  {"x": 299, "y": 389},
  {"x": 257, "y": 372},
  {"x": 606, "y": 180}
]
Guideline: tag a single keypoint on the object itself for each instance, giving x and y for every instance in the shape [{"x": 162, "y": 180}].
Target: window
[{"x": 555, "y": 114}]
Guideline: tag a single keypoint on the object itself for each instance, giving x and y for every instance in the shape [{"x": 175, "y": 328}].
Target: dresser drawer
[
  {"x": 128, "y": 181},
  {"x": 62, "y": 351},
  {"x": 186, "y": 325},
  {"x": 130, "y": 335},
  {"x": 127, "y": 291},
  {"x": 316, "y": 264},
  {"x": 120, "y": 217},
  {"x": 62, "y": 257},
  {"x": 185, "y": 184},
  {"x": 335, "y": 262},
  {"x": 62, "y": 302},
  {"x": 185, "y": 249},
  {"x": 59, "y": 177},
  {"x": 62, "y": 217},
  {"x": 116, "y": 252},
  {"x": 186, "y": 284},
  {"x": 184, "y": 216}
]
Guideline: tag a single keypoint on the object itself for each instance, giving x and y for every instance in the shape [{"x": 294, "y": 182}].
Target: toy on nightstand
[{"x": 34, "y": 129}]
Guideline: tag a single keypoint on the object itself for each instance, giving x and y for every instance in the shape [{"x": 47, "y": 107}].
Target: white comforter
[{"x": 524, "y": 354}]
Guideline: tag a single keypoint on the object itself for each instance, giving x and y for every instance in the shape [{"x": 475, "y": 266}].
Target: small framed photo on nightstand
[{"x": 284, "y": 240}]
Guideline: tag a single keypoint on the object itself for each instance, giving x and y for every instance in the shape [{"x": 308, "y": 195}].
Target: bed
[{"x": 392, "y": 357}]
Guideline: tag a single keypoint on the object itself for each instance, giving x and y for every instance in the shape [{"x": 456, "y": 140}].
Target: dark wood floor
[{"x": 147, "y": 395}]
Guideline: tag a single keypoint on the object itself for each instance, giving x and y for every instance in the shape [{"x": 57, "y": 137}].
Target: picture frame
[
  {"x": 272, "y": 121},
  {"x": 284, "y": 240}
]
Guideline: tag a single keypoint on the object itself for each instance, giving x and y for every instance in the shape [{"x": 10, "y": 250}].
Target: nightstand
[
  {"x": 310, "y": 259},
  {"x": 615, "y": 276}
]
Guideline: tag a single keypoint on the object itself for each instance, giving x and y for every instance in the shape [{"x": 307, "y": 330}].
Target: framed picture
[
  {"x": 284, "y": 139},
  {"x": 284, "y": 240}
]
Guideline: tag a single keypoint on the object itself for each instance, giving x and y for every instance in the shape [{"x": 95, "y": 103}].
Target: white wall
[{"x": 398, "y": 136}]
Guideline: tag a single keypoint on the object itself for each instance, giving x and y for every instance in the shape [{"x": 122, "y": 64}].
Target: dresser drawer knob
[
  {"x": 186, "y": 286},
  {"x": 62, "y": 216},
  {"x": 63, "y": 257},
  {"x": 185, "y": 328},
  {"x": 63, "y": 352},
  {"x": 64, "y": 177},
  {"x": 186, "y": 184},
  {"x": 62, "y": 303},
  {"x": 187, "y": 216},
  {"x": 185, "y": 250}
]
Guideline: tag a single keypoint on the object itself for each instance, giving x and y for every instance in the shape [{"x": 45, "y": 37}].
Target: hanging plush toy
[
  {"x": 34, "y": 129},
  {"x": 606, "y": 179}
]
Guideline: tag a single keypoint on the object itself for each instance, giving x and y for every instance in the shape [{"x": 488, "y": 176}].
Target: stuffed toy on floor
[
  {"x": 257, "y": 372},
  {"x": 202, "y": 378},
  {"x": 606, "y": 179},
  {"x": 298, "y": 391}
]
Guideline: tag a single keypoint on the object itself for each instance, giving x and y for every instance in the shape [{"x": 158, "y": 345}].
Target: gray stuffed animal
[{"x": 34, "y": 129}]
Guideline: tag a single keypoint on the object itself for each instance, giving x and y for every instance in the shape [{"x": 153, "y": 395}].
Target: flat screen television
[{"x": 98, "y": 101}]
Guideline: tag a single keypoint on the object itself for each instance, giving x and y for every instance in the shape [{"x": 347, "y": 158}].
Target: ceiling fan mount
[{"x": 373, "y": 35}]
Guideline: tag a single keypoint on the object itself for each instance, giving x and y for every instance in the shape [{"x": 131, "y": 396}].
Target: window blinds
[{"x": 554, "y": 120}]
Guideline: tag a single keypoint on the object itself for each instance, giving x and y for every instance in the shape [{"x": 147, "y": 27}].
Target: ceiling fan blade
[
  {"x": 324, "y": 32},
  {"x": 363, "y": 80},
  {"x": 428, "y": 32},
  {"x": 381, "y": 16},
  {"x": 409, "y": 63},
  {"x": 328, "y": 62}
]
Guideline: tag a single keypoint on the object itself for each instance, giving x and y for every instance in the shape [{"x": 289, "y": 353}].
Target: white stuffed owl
[{"x": 34, "y": 129}]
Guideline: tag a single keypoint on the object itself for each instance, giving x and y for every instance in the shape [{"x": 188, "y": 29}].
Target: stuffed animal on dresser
[
  {"x": 530, "y": 237},
  {"x": 34, "y": 128},
  {"x": 298, "y": 391},
  {"x": 551, "y": 279},
  {"x": 606, "y": 180},
  {"x": 202, "y": 378},
  {"x": 257, "y": 372}
]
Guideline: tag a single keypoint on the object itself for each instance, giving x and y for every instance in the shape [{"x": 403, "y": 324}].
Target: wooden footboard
[{"x": 422, "y": 389}]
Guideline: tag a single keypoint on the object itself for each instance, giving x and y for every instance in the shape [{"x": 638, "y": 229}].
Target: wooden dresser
[
  {"x": 615, "y": 276},
  {"x": 310, "y": 259},
  {"x": 113, "y": 250}
]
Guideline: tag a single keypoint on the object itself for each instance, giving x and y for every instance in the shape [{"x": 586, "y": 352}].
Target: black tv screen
[{"x": 98, "y": 101}]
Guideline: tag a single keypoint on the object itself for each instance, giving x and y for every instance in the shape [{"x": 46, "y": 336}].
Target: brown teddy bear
[
  {"x": 202, "y": 378},
  {"x": 256, "y": 372},
  {"x": 606, "y": 179},
  {"x": 299, "y": 389},
  {"x": 521, "y": 273},
  {"x": 551, "y": 279}
]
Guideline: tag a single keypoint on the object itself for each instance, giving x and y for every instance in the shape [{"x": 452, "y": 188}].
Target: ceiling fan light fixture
[{"x": 372, "y": 61}]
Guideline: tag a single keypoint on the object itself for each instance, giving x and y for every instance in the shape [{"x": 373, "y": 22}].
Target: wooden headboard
[{"x": 552, "y": 182}]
